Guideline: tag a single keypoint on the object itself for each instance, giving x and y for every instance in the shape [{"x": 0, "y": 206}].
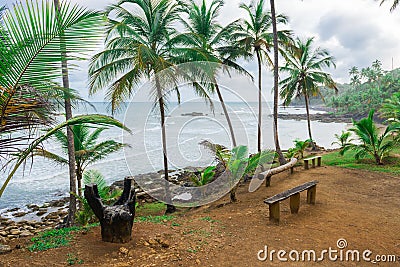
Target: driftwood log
[
  {"x": 268, "y": 174},
  {"x": 116, "y": 221}
]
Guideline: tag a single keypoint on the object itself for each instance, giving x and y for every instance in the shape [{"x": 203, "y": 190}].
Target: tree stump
[{"x": 116, "y": 221}]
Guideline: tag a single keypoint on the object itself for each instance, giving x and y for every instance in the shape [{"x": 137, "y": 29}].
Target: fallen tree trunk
[
  {"x": 116, "y": 221},
  {"x": 267, "y": 175}
]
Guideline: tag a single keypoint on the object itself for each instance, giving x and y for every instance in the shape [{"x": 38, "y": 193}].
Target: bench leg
[
  {"x": 311, "y": 192},
  {"x": 295, "y": 203},
  {"x": 319, "y": 161},
  {"x": 306, "y": 164},
  {"x": 313, "y": 163},
  {"x": 268, "y": 181},
  {"x": 291, "y": 170},
  {"x": 274, "y": 212}
]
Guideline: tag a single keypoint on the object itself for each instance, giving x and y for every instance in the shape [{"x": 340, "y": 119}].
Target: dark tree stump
[{"x": 116, "y": 221}]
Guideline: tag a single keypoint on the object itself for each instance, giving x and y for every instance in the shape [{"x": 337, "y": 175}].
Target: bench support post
[
  {"x": 305, "y": 164},
  {"x": 274, "y": 212},
  {"x": 313, "y": 162},
  {"x": 319, "y": 161},
  {"x": 268, "y": 181},
  {"x": 295, "y": 203},
  {"x": 311, "y": 192}
]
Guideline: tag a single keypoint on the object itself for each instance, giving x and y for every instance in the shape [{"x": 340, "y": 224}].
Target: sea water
[{"x": 43, "y": 180}]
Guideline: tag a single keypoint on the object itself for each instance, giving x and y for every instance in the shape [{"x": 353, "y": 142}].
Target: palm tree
[
  {"x": 34, "y": 44},
  {"x": 213, "y": 41},
  {"x": 93, "y": 119},
  {"x": 255, "y": 36},
  {"x": 391, "y": 108},
  {"x": 394, "y": 5},
  {"x": 305, "y": 69},
  {"x": 24, "y": 113},
  {"x": 86, "y": 147},
  {"x": 371, "y": 143},
  {"x": 140, "y": 44},
  {"x": 281, "y": 157},
  {"x": 344, "y": 141}
]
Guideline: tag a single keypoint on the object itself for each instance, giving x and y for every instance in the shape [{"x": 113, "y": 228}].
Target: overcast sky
[{"x": 356, "y": 32}]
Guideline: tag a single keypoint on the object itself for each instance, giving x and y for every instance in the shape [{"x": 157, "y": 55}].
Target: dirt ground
[{"x": 359, "y": 206}]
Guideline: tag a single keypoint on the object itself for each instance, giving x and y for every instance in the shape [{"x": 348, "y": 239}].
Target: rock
[
  {"x": 123, "y": 250},
  {"x": 41, "y": 212},
  {"x": 12, "y": 210},
  {"x": 7, "y": 222},
  {"x": 33, "y": 207},
  {"x": 25, "y": 234},
  {"x": 164, "y": 243},
  {"x": 153, "y": 242},
  {"x": 15, "y": 232},
  {"x": 19, "y": 214},
  {"x": 5, "y": 249},
  {"x": 3, "y": 240}
]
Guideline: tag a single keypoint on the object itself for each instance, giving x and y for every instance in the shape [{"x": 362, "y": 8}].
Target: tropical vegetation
[
  {"x": 254, "y": 34},
  {"x": 88, "y": 149},
  {"x": 370, "y": 141},
  {"x": 304, "y": 67}
]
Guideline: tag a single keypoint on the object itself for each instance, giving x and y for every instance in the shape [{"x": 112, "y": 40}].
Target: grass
[
  {"x": 391, "y": 163},
  {"x": 155, "y": 219},
  {"x": 156, "y": 208},
  {"x": 55, "y": 238}
]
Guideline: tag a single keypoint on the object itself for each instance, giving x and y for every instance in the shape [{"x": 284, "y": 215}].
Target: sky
[{"x": 355, "y": 32}]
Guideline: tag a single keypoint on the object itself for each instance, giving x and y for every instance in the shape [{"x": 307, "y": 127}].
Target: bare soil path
[{"x": 359, "y": 206}]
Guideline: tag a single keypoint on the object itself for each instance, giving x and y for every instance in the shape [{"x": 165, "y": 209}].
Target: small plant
[
  {"x": 175, "y": 224},
  {"x": 85, "y": 215},
  {"x": 208, "y": 219},
  {"x": 72, "y": 259},
  {"x": 344, "y": 141},
  {"x": 206, "y": 176}
]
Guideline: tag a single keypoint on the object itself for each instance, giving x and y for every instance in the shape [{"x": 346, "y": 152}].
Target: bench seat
[{"x": 294, "y": 195}]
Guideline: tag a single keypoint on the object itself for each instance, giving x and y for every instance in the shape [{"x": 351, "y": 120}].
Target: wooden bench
[
  {"x": 268, "y": 174},
  {"x": 294, "y": 194},
  {"x": 318, "y": 158}
]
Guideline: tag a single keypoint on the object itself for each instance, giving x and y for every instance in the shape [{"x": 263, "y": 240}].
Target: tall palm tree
[
  {"x": 276, "y": 85},
  {"x": 86, "y": 147},
  {"x": 34, "y": 44},
  {"x": 255, "y": 36},
  {"x": 139, "y": 45},
  {"x": 213, "y": 41},
  {"x": 304, "y": 67}
]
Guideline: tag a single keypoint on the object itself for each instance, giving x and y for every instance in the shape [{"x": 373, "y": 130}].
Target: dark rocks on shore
[{"x": 194, "y": 114}]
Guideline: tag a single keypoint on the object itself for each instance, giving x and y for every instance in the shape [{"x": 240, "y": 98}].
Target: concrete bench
[
  {"x": 268, "y": 174},
  {"x": 294, "y": 195},
  {"x": 306, "y": 161}
]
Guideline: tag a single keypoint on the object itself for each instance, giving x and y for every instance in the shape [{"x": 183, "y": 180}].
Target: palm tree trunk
[
  {"x": 70, "y": 134},
  {"x": 259, "y": 100},
  {"x": 170, "y": 208},
  {"x": 278, "y": 150},
  {"x": 228, "y": 119},
  {"x": 309, "y": 121}
]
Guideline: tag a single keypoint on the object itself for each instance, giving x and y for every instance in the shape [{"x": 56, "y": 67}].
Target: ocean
[{"x": 186, "y": 125}]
